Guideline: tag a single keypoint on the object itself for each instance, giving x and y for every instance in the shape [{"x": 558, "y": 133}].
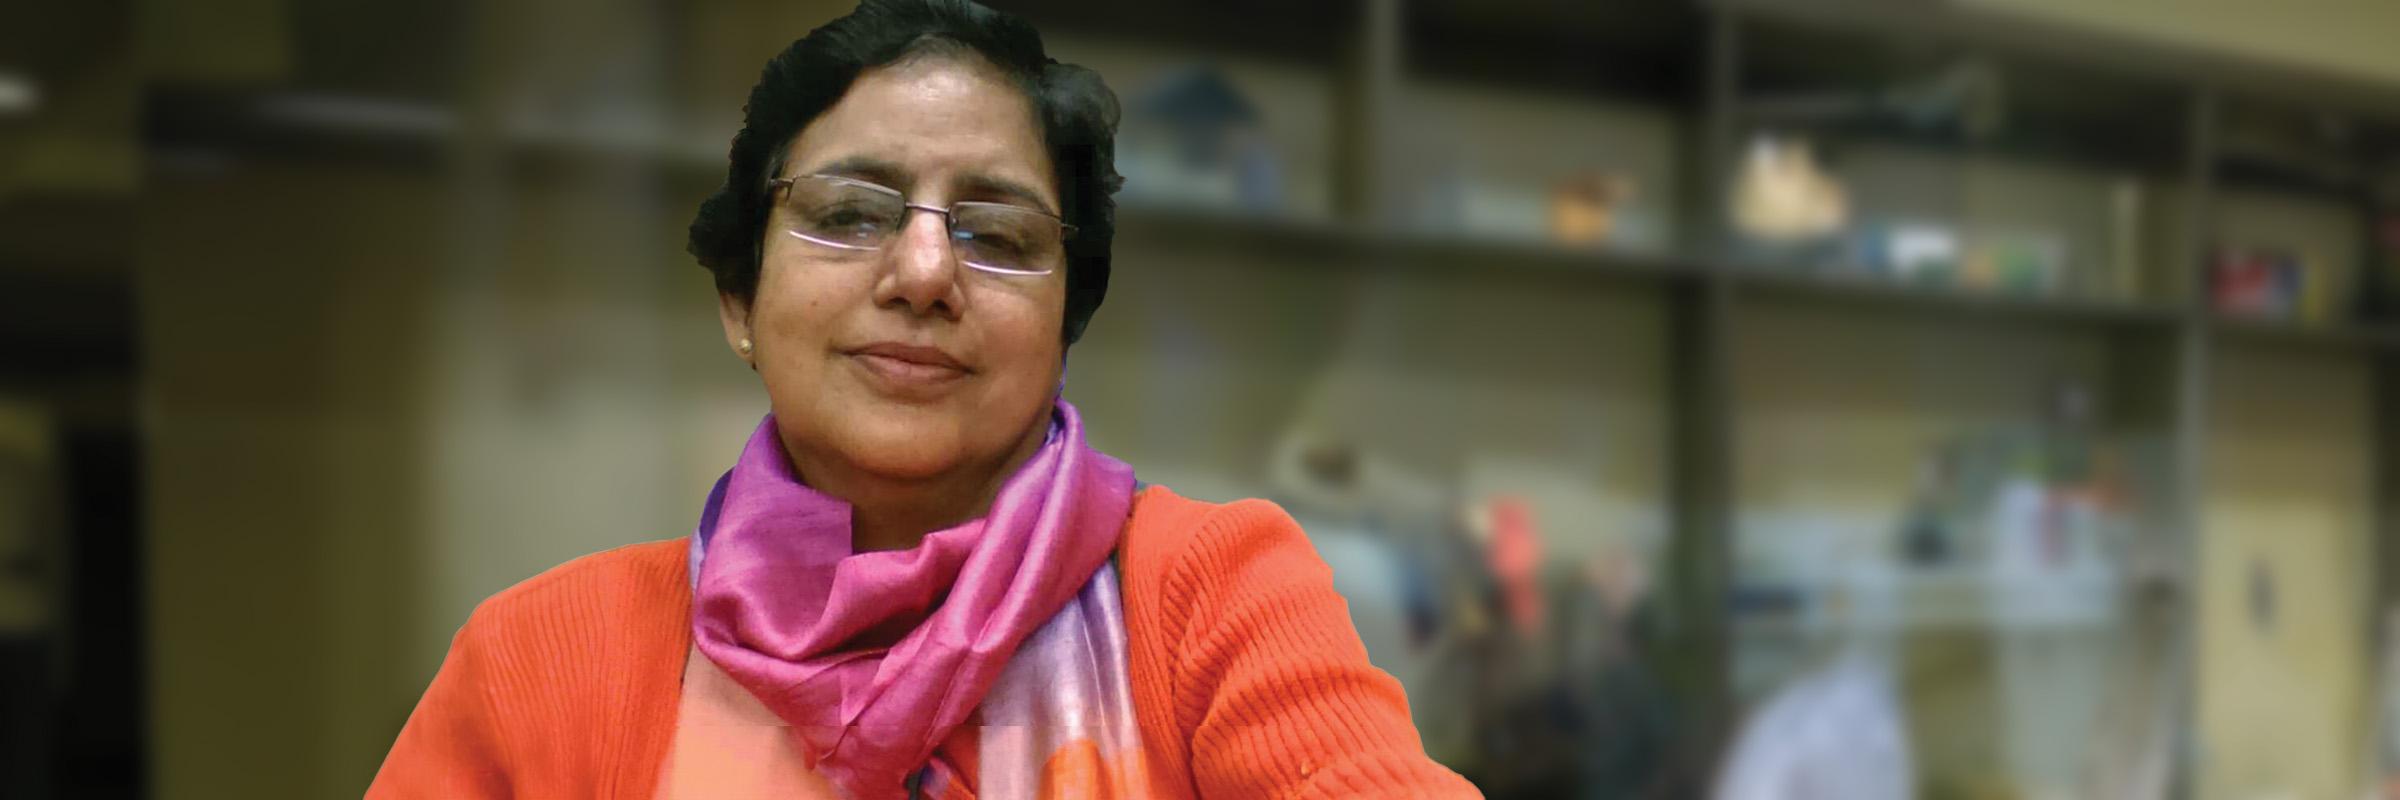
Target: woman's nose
[{"x": 921, "y": 269}]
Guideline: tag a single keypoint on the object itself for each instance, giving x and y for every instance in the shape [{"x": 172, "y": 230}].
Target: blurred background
[{"x": 1747, "y": 398}]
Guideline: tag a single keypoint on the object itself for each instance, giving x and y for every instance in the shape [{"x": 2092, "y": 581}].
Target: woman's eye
[
  {"x": 992, "y": 240},
  {"x": 845, "y": 216}
]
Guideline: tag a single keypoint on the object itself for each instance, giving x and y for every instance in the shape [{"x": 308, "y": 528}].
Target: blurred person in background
[
  {"x": 917, "y": 579},
  {"x": 1625, "y": 712}
]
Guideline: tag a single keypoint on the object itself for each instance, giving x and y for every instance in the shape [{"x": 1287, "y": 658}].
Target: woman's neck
[
  {"x": 896, "y": 514},
  {"x": 902, "y": 520}
]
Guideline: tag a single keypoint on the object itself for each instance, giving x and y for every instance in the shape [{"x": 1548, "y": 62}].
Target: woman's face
[{"x": 905, "y": 364}]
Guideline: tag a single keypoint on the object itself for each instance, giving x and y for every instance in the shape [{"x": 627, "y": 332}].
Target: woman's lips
[{"x": 909, "y": 368}]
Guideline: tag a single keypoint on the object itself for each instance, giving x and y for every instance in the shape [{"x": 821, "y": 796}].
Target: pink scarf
[{"x": 875, "y": 658}]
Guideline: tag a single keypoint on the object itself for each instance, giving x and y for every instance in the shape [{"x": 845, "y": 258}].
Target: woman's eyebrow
[
  {"x": 974, "y": 184},
  {"x": 865, "y": 168},
  {"x": 978, "y": 185}
]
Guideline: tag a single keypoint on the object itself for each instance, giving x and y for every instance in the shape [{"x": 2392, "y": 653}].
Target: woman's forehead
[{"x": 931, "y": 124}]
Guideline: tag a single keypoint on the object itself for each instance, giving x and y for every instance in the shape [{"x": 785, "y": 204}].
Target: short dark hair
[{"x": 1077, "y": 113}]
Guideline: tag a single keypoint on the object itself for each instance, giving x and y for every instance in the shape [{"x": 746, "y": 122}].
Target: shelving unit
[{"x": 2143, "y": 109}]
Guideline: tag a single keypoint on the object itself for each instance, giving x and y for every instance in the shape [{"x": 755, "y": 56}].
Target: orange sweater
[{"x": 1248, "y": 679}]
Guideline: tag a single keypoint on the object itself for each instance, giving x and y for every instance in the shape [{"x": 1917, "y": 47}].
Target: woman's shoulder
[
  {"x": 1176, "y": 542},
  {"x": 633, "y": 582},
  {"x": 551, "y": 682},
  {"x": 1163, "y": 522}
]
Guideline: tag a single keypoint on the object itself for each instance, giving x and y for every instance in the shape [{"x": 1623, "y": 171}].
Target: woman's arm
[
  {"x": 450, "y": 747},
  {"x": 565, "y": 685},
  {"x": 1271, "y": 681}
]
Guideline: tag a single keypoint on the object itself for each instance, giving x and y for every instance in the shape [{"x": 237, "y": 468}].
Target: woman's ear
[{"x": 734, "y": 312}]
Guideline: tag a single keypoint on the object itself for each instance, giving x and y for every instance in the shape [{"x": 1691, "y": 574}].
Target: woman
[{"x": 917, "y": 579}]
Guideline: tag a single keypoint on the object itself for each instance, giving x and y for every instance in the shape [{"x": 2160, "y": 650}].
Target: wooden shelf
[
  {"x": 1624, "y": 48},
  {"x": 1949, "y": 599},
  {"x": 2146, "y": 155},
  {"x": 1842, "y": 84},
  {"x": 1866, "y": 291},
  {"x": 1291, "y": 32},
  {"x": 1950, "y": 26},
  {"x": 2344, "y": 337},
  {"x": 1485, "y": 257},
  {"x": 1639, "y": 50},
  {"x": 1436, "y": 254}
]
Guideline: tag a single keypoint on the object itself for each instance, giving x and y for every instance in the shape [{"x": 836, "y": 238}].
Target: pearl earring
[{"x": 744, "y": 347}]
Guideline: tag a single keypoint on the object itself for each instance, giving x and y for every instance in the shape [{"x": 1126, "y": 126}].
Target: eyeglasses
[{"x": 851, "y": 214}]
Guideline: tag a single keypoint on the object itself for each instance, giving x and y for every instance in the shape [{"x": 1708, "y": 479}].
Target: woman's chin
[
  {"x": 903, "y": 452},
  {"x": 906, "y": 466},
  {"x": 902, "y": 443}
]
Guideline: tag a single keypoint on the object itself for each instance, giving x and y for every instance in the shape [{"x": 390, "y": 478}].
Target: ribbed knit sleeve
[
  {"x": 451, "y": 746},
  {"x": 1249, "y": 668},
  {"x": 562, "y": 686}
]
